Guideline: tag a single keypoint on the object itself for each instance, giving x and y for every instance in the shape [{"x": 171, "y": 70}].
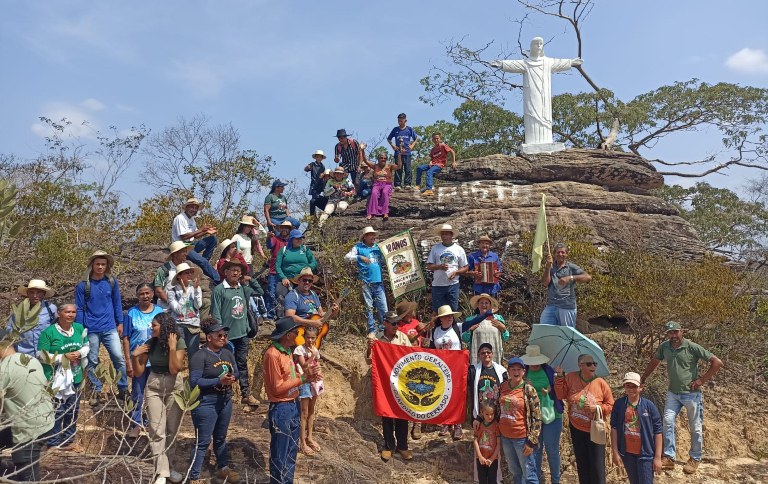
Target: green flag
[{"x": 537, "y": 254}]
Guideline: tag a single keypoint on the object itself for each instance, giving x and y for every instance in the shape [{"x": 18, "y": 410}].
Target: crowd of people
[{"x": 515, "y": 404}]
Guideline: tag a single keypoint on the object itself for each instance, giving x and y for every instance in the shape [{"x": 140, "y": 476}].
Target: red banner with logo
[{"x": 419, "y": 384}]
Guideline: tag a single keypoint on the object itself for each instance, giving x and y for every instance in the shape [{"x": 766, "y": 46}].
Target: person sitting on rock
[
  {"x": 185, "y": 229},
  {"x": 163, "y": 275},
  {"x": 378, "y": 204},
  {"x": 302, "y": 303},
  {"x": 338, "y": 190},
  {"x": 561, "y": 294},
  {"x": 275, "y": 243},
  {"x": 438, "y": 157},
  {"x": 476, "y": 258},
  {"x": 486, "y": 325}
]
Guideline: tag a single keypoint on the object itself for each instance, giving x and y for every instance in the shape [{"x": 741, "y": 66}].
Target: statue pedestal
[{"x": 532, "y": 149}]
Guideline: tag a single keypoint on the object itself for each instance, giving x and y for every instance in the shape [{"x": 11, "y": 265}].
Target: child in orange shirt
[{"x": 487, "y": 444}]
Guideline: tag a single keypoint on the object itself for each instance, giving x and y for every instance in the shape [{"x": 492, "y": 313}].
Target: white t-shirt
[
  {"x": 446, "y": 339},
  {"x": 301, "y": 350},
  {"x": 454, "y": 256},
  {"x": 245, "y": 247},
  {"x": 182, "y": 225}
]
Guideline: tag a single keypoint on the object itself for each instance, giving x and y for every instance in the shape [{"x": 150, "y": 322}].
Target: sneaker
[
  {"x": 667, "y": 463},
  {"x": 198, "y": 481},
  {"x": 250, "y": 400},
  {"x": 429, "y": 193},
  {"x": 423, "y": 190},
  {"x": 397, "y": 189},
  {"x": 133, "y": 433},
  {"x": 443, "y": 431},
  {"x": 175, "y": 477},
  {"x": 405, "y": 454},
  {"x": 457, "y": 433},
  {"x": 691, "y": 466},
  {"x": 416, "y": 431},
  {"x": 386, "y": 455},
  {"x": 228, "y": 475},
  {"x": 160, "y": 480}
]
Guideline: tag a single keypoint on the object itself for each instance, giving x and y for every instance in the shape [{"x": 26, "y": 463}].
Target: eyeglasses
[
  {"x": 221, "y": 335},
  {"x": 485, "y": 353},
  {"x": 590, "y": 363}
]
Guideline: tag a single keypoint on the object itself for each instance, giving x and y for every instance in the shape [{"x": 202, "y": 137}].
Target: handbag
[
  {"x": 253, "y": 323},
  {"x": 598, "y": 432}
]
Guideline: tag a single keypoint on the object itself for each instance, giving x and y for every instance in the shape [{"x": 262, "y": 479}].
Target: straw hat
[
  {"x": 285, "y": 223},
  {"x": 177, "y": 246},
  {"x": 405, "y": 307},
  {"x": 446, "y": 228},
  {"x": 100, "y": 254},
  {"x": 340, "y": 169},
  {"x": 445, "y": 311},
  {"x": 476, "y": 299},
  {"x": 318, "y": 153},
  {"x": 36, "y": 284},
  {"x": 305, "y": 272},
  {"x": 366, "y": 231},
  {"x": 533, "y": 356},
  {"x": 484, "y": 238},
  {"x": 192, "y": 201},
  {"x": 247, "y": 220},
  {"x": 179, "y": 269}
]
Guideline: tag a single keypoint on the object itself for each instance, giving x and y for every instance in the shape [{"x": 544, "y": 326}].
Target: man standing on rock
[
  {"x": 100, "y": 310},
  {"x": 316, "y": 169},
  {"x": 448, "y": 261},
  {"x": 368, "y": 257},
  {"x": 405, "y": 140},
  {"x": 185, "y": 229},
  {"x": 346, "y": 154},
  {"x": 682, "y": 357},
  {"x": 484, "y": 254},
  {"x": 561, "y": 293},
  {"x": 164, "y": 274}
]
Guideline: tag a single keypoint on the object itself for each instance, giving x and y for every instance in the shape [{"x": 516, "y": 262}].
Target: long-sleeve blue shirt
[
  {"x": 104, "y": 310},
  {"x": 28, "y": 341}
]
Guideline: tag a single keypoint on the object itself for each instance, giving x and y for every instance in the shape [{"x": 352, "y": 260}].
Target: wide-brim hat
[
  {"x": 445, "y": 311},
  {"x": 100, "y": 254},
  {"x": 221, "y": 248},
  {"x": 476, "y": 299},
  {"x": 392, "y": 317},
  {"x": 533, "y": 356},
  {"x": 36, "y": 284},
  {"x": 192, "y": 201},
  {"x": 446, "y": 228},
  {"x": 283, "y": 326},
  {"x": 341, "y": 133},
  {"x": 367, "y": 230},
  {"x": 319, "y": 153},
  {"x": 405, "y": 307},
  {"x": 247, "y": 220},
  {"x": 177, "y": 246},
  {"x": 179, "y": 269},
  {"x": 339, "y": 169},
  {"x": 226, "y": 265},
  {"x": 285, "y": 223},
  {"x": 484, "y": 238},
  {"x": 305, "y": 272}
]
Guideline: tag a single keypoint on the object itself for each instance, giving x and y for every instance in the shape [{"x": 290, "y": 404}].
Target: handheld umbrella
[{"x": 563, "y": 345}]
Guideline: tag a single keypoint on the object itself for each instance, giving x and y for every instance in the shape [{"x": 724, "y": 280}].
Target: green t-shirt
[
  {"x": 157, "y": 359},
  {"x": 24, "y": 402},
  {"x": 278, "y": 206},
  {"x": 682, "y": 364},
  {"x": 228, "y": 305},
  {"x": 55, "y": 343},
  {"x": 538, "y": 380}
]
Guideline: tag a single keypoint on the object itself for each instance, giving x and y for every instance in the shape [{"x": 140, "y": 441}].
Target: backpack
[{"x": 87, "y": 281}]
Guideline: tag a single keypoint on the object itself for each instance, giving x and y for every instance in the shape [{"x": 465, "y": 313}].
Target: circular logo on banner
[{"x": 422, "y": 385}]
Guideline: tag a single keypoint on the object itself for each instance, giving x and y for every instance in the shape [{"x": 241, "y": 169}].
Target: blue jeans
[
  {"x": 270, "y": 297},
  {"x": 373, "y": 294},
  {"x": 137, "y": 395},
  {"x": 211, "y": 419},
  {"x": 557, "y": 316},
  {"x": 279, "y": 220},
  {"x": 549, "y": 441},
  {"x": 695, "y": 409},
  {"x": 638, "y": 471},
  {"x": 284, "y": 442},
  {"x": 206, "y": 245},
  {"x": 365, "y": 189},
  {"x": 442, "y": 295},
  {"x": 522, "y": 468},
  {"x": 111, "y": 342},
  {"x": 404, "y": 172},
  {"x": 63, "y": 431},
  {"x": 431, "y": 172}
]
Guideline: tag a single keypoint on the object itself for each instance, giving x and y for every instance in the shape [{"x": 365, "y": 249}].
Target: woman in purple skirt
[{"x": 378, "y": 204}]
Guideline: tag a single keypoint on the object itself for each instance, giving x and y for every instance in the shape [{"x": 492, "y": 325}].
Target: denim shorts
[{"x": 305, "y": 391}]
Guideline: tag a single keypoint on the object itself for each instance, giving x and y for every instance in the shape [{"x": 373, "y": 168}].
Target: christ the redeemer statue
[{"x": 537, "y": 95}]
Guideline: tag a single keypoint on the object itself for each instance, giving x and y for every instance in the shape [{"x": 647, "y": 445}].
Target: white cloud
[
  {"x": 749, "y": 61},
  {"x": 93, "y": 104},
  {"x": 79, "y": 122}
]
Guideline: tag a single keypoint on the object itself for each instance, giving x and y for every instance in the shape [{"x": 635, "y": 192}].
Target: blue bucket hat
[{"x": 295, "y": 234}]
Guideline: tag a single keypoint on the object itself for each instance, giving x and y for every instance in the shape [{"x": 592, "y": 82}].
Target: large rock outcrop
[{"x": 606, "y": 192}]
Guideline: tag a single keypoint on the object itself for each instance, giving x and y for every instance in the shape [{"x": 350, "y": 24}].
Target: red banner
[{"x": 419, "y": 384}]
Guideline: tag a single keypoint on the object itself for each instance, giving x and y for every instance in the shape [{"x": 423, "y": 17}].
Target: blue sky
[{"x": 288, "y": 74}]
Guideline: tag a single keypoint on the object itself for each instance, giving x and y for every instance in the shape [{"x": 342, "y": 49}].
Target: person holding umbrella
[{"x": 586, "y": 394}]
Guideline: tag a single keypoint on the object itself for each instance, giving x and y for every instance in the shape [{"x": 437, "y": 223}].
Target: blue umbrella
[{"x": 563, "y": 345}]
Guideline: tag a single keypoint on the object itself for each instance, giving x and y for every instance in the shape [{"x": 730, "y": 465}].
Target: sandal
[
  {"x": 307, "y": 450},
  {"x": 314, "y": 445}
]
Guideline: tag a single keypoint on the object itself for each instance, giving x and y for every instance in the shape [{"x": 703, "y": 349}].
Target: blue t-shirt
[
  {"x": 371, "y": 272},
  {"x": 406, "y": 135},
  {"x": 563, "y": 297},
  {"x": 137, "y": 326},
  {"x": 304, "y": 304}
]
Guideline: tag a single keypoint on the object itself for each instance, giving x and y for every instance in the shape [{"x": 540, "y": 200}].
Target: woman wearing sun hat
[
  {"x": 541, "y": 376},
  {"x": 446, "y": 335},
  {"x": 485, "y": 326},
  {"x": 185, "y": 298}
]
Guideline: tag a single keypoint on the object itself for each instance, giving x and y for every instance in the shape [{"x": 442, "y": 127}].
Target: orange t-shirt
[
  {"x": 512, "y": 418},
  {"x": 632, "y": 431},
  {"x": 579, "y": 394},
  {"x": 487, "y": 437}
]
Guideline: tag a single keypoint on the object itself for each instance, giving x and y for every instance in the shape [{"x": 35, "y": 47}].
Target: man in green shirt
[
  {"x": 229, "y": 302},
  {"x": 682, "y": 357}
]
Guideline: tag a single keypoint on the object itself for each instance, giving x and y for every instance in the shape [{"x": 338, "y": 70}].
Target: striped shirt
[{"x": 348, "y": 155}]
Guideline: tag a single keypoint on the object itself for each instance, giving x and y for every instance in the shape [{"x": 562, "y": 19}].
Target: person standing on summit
[
  {"x": 405, "y": 139},
  {"x": 346, "y": 154}
]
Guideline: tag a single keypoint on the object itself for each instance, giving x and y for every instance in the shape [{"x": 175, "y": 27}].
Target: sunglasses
[
  {"x": 306, "y": 279},
  {"x": 590, "y": 363},
  {"x": 221, "y": 335}
]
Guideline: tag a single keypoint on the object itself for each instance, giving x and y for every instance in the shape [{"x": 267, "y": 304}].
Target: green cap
[{"x": 672, "y": 326}]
